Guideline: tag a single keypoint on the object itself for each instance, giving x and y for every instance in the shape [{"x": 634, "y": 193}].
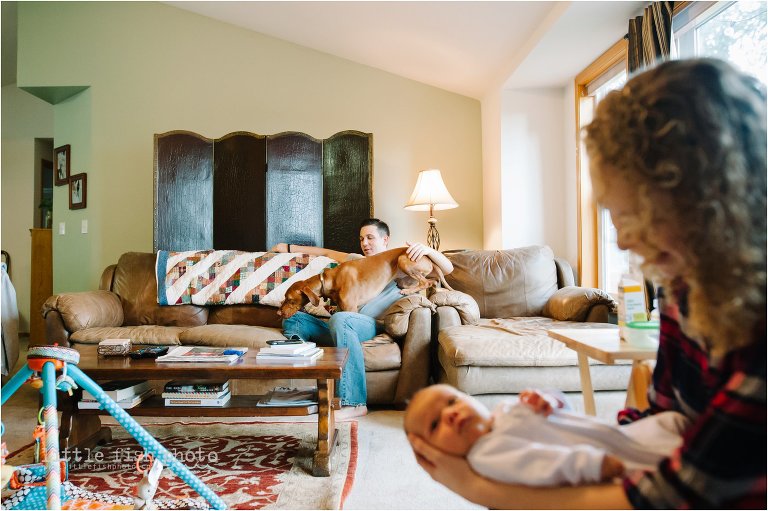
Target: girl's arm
[{"x": 455, "y": 473}]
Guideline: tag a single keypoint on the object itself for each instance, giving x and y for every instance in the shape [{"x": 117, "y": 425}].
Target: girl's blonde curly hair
[{"x": 691, "y": 135}]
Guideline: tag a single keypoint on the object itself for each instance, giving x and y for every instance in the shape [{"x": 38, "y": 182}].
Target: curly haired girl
[{"x": 678, "y": 157}]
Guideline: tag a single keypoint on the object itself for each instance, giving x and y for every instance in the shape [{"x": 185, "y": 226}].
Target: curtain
[{"x": 650, "y": 36}]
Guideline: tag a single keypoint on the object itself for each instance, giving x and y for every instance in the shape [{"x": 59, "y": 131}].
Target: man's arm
[
  {"x": 417, "y": 250},
  {"x": 316, "y": 251}
]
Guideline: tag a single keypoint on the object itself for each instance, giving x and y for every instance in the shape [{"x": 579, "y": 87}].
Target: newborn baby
[{"x": 530, "y": 443}]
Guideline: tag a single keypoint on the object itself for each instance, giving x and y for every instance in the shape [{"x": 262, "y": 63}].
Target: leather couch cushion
[
  {"x": 513, "y": 380},
  {"x": 181, "y": 315},
  {"x": 144, "y": 334},
  {"x": 506, "y": 283},
  {"x": 513, "y": 342},
  {"x": 134, "y": 281},
  {"x": 253, "y": 337},
  {"x": 256, "y": 315},
  {"x": 381, "y": 354}
]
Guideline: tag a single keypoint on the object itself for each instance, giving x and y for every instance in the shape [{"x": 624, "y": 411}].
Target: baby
[{"x": 531, "y": 443}]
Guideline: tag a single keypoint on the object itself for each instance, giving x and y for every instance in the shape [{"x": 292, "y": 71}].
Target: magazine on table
[
  {"x": 285, "y": 396},
  {"x": 288, "y": 349},
  {"x": 202, "y": 354}
]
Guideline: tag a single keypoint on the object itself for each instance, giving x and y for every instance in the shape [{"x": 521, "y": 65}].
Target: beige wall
[
  {"x": 152, "y": 68},
  {"x": 24, "y": 118}
]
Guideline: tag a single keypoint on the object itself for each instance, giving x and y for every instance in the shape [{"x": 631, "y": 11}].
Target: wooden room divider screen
[{"x": 245, "y": 191}]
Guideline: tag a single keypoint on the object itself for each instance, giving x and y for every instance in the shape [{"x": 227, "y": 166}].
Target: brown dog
[{"x": 354, "y": 283}]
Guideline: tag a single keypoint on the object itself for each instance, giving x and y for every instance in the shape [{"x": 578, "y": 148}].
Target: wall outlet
[
  {"x": 84, "y": 227},
  {"x": 62, "y": 228}
]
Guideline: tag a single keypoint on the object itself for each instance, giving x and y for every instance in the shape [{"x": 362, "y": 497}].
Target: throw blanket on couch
[{"x": 226, "y": 277}]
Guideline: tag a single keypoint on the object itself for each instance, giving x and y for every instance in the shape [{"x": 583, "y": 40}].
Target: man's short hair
[{"x": 381, "y": 226}]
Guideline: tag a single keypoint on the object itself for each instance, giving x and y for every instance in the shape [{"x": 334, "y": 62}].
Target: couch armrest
[
  {"x": 573, "y": 303},
  {"x": 88, "y": 309},
  {"x": 398, "y": 317},
  {"x": 464, "y": 304},
  {"x": 414, "y": 368}
]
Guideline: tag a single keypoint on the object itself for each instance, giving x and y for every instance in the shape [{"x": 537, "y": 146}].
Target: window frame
[{"x": 586, "y": 205}]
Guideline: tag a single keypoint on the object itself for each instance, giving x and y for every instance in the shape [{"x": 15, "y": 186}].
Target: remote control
[
  {"x": 149, "y": 352},
  {"x": 283, "y": 342}
]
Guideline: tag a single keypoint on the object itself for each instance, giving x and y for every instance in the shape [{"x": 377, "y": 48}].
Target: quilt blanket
[{"x": 226, "y": 277}]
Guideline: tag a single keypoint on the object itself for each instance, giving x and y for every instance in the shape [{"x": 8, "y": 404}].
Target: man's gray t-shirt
[{"x": 379, "y": 304}]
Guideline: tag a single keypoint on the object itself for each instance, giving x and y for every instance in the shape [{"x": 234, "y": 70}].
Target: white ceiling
[{"x": 466, "y": 47}]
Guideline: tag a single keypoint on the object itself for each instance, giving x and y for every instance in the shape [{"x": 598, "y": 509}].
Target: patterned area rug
[{"x": 250, "y": 465}]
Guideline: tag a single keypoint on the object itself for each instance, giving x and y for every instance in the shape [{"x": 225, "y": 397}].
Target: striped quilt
[{"x": 226, "y": 277}]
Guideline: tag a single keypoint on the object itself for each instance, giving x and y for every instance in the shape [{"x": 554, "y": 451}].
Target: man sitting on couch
[{"x": 349, "y": 329}]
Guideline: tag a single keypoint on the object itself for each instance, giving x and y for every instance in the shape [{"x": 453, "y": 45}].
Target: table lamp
[{"x": 430, "y": 195}]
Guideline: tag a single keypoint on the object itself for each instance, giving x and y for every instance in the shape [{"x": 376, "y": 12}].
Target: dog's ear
[{"x": 311, "y": 295}]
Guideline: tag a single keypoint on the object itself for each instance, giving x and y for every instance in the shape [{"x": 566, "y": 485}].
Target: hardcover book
[
  {"x": 120, "y": 390},
  {"x": 284, "y": 357},
  {"x": 196, "y": 386},
  {"x": 92, "y": 404},
  {"x": 221, "y": 401},
  {"x": 195, "y": 395}
]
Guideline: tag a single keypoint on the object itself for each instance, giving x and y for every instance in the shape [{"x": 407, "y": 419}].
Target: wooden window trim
[{"x": 586, "y": 211}]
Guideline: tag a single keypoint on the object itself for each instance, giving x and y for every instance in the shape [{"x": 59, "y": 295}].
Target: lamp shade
[{"x": 430, "y": 191}]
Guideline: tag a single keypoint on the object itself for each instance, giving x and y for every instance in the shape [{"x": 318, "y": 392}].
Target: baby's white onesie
[{"x": 528, "y": 448}]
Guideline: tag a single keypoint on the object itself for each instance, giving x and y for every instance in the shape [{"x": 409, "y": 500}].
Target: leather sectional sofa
[
  {"x": 125, "y": 306},
  {"x": 491, "y": 339}
]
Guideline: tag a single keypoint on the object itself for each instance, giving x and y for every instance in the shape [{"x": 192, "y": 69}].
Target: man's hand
[
  {"x": 416, "y": 251},
  {"x": 280, "y": 247}
]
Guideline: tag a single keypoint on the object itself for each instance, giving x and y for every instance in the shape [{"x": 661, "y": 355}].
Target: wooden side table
[{"x": 604, "y": 345}]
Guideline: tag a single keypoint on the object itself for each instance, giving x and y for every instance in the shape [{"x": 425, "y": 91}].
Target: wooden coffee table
[
  {"x": 605, "y": 345},
  {"x": 82, "y": 428}
]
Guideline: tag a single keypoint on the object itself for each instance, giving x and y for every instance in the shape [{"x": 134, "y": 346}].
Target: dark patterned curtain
[{"x": 650, "y": 35}]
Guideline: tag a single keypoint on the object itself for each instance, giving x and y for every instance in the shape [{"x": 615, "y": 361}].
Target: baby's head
[{"x": 448, "y": 419}]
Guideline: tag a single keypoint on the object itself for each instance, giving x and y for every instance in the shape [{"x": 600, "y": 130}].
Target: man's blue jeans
[{"x": 343, "y": 330}]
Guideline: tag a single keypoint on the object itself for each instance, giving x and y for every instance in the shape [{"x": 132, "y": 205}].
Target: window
[{"x": 732, "y": 31}]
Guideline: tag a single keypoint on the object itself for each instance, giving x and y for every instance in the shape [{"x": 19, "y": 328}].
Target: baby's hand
[
  {"x": 538, "y": 402},
  {"x": 280, "y": 247},
  {"x": 611, "y": 467}
]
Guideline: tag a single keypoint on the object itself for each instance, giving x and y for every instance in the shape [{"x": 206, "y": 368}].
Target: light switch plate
[
  {"x": 62, "y": 228},
  {"x": 84, "y": 227}
]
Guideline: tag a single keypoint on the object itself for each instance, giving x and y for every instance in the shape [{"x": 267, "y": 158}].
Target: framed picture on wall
[
  {"x": 78, "y": 191},
  {"x": 61, "y": 161}
]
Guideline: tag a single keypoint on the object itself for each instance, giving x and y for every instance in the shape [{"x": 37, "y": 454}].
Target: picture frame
[
  {"x": 78, "y": 191},
  {"x": 61, "y": 158}
]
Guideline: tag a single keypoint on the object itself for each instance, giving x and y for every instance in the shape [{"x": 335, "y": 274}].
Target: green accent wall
[{"x": 151, "y": 68}]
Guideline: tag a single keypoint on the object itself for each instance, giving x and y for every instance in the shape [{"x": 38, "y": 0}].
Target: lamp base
[{"x": 433, "y": 237}]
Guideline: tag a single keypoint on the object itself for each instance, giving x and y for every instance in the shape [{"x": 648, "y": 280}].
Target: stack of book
[
  {"x": 126, "y": 394},
  {"x": 191, "y": 393},
  {"x": 301, "y": 353}
]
